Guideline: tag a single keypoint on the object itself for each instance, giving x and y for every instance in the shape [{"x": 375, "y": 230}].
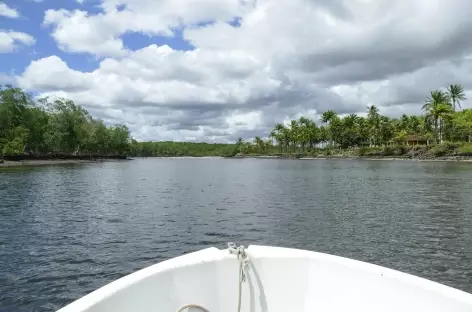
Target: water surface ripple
[{"x": 67, "y": 230}]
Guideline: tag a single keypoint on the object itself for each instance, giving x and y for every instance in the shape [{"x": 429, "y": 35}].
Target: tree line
[
  {"x": 177, "y": 149},
  {"x": 60, "y": 127},
  {"x": 443, "y": 120}
]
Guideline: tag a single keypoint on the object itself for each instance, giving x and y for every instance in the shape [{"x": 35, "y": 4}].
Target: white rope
[
  {"x": 240, "y": 252},
  {"x": 243, "y": 263}
]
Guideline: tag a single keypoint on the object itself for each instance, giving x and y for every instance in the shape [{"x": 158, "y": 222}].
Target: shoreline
[
  {"x": 368, "y": 158},
  {"x": 446, "y": 159},
  {"x": 54, "y": 162},
  {"x": 41, "y": 162}
]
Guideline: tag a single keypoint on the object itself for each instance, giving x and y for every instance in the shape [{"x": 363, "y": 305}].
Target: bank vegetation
[{"x": 54, "y": 129}]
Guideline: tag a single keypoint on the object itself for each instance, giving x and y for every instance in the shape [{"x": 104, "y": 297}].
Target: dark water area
[{"x": 67, "y": 230}]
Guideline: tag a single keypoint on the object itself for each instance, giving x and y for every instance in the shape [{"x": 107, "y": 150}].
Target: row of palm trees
[
  {"x": 442, "y": 120},
  {"x": 440, "y": 107}
]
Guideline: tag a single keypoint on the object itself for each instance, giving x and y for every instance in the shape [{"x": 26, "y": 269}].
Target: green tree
[
  {"x": 240, "y": 144},
  {"x": 327, "y": 118},
  {"x": 373, "y": 122},
  {"x": 120, "y": 140},
  {"x": 260, "y": 144},
  {"x": 16, "y": 145},
  {"x": 438, "y": 110},
  {"x": 282, "y": 136},
  {"x": 41, "y": 127},
  {"x": 455, "y": 93},
  {"x": 463, "y": 124},
  {"x": 294, "y": 135}
]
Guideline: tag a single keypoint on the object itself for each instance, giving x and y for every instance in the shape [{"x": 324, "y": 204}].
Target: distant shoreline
[
  {"x": 41, "y": 162},
  {"x": 29, "y": 163},
  {"x": 378, "y": 158},
  {"x": 449, "y": 159}
]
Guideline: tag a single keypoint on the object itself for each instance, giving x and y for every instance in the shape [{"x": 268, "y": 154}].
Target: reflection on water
[{"x": 66, "y": 230}]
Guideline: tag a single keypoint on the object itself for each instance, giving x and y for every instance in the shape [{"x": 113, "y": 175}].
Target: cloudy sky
[{"x": 214, "y": 70}]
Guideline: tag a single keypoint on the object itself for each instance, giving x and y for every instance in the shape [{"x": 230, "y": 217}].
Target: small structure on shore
[
  {"x": 413, "y": 139},
  {"x": 410, "y": 140}
]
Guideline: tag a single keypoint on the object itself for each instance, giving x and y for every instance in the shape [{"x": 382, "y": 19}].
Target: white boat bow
[{"x": 270, "y": 279}]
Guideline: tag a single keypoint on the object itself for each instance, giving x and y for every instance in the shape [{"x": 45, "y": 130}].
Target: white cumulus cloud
[
  {"x": 9, "y": 40},
  {"x": 280, "y": 60},
  {"x": 79, "y": 31},
  {"x": 6, "y": 11}
]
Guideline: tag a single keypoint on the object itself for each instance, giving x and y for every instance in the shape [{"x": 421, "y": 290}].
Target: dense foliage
[
  {"x": 175, "y": 149},
  {"x": 43, "y": 127},
  {"x": 60, "y": 127},
  {"x": 442, "y": 121}
]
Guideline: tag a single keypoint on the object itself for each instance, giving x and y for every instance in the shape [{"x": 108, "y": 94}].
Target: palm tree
[
  {"x": 374, "y": 124},
  {"x": 268, "y": 145},
  {"x": 323, "y": 135},
  {"x": 348, "y": 134},
  {"x": 386, "y": 129},
  {"x": 239, "y": 144},
  {"x": 414, "y": 124},
  {"x": 286, "y": 137},
  {"x": 405, "y": 123},
  {"x": 304, "y": 131},
  {"x": 439, "y": 114},
  {"x": 273, "y": 136},
  {"x": 456, "y": 94},
  {"x": 309, "y": 132},
  {"x": 437, "y": 108},
  {"x": 282, "y": 135},
  {"x": 350, "y": 120},
  {"x": 327, "y": 118},
  {"x": 335, "y": 129},
  {"x": 363, "y": 129},
  {"x": 294, "y": 134},
  {"x": 437, "y": 96},
  {"x": 260, "y": 144}
]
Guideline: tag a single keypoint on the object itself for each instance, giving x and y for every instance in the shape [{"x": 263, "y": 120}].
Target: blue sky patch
[
  {"x": 135, "y": 41},
  {"x": 31, "y": 22}
]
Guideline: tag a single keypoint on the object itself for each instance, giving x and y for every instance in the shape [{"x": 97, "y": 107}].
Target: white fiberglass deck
[{"x": 279, "y": 280}]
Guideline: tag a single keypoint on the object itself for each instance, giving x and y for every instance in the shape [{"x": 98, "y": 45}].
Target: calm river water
[{"x": 67, "y": 230}]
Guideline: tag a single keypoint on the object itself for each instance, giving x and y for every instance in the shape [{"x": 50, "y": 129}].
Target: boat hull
[{"x": 278, "y": 279}]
